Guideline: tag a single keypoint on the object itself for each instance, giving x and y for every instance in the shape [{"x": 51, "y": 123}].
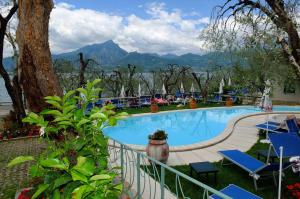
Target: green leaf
[
  {"x": 40, "y": 190},
  {"x": 101, "y": 177},
  {"x": 119, "y": 187},
  {"x": 62, "y": 180},
  {"x": 112, "y": 121},
  {"x": 62, "y": 118},
  {"x": 81, "y": 122},
  {"x": 68, "y": 94},
  {"x": 98, "y": 115},
  {"x": 36, "y": 171},
  {"x": 67, "y": 123},
  {"x": 54, "y": 98},
  {"x": 54, "y": 104},
  {"x": 78, "y": 176},
  {"x": 69, "y": 108},
  {"x": 96, "y": 81},
  {"x": 19, "y": 160},
  {"x": 83, "y": 91},
  {"x": 68, "y": 189},
  {"x": 51, "y": 112},
  {"x": 84, "y": 165},
  {"x": 56, "y": 194},
  {"x": 80, "y": 191},
  {"x": 100, "y": 140},
  {"x": 53, "y": 163}
]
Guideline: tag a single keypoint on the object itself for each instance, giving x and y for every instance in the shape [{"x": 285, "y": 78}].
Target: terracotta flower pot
[
  {"x": 193, "y": 104},
  {"x": 229, "y": 101},
  {"x": 158, "y": 149},
  {"x": 154, "y": 108}
]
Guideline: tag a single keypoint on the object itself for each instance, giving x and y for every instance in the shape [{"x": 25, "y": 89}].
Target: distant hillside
[{"x": 110, "y": 55}]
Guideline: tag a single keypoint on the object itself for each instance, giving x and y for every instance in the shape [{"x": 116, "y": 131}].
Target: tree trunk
[
  {"x": 37, "y": 73},
  {"x": 83, "y": 65},
  {"x": 13, "y": 88}
]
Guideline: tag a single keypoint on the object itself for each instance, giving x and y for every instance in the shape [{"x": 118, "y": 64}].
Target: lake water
[{"x": 4, "y": 97}]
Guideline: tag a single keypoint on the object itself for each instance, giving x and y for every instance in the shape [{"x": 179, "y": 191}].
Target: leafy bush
[
  {"x": 158, "y": 135},
  {"x": 76, "y": 166}
]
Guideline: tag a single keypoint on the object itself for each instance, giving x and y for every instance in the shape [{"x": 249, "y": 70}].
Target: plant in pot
[
  {"x": 158, "y": 147},
  {"x": 153, "y": 106},
  {"x": 193, "y": 103},
  {"x": 76, "y": 166}
]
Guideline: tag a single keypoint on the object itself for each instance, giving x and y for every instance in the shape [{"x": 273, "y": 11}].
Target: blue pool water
[{"x": 183, "y": 127}]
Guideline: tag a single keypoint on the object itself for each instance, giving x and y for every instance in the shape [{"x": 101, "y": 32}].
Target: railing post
[
  {"x": 162, "y": 182},
  {"x": 138, "y": 177},
  {"x": 122, "y": 163}
]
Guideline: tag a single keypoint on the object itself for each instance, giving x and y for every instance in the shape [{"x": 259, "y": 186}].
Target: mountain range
[{"x": 110, "y": 55}]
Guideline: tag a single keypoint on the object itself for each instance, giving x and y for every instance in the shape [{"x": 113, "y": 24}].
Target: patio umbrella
[
  {"x": 229, "y": 81},
  {"x": 140, "y": 90},
  {"x": 266, "y": 103},
  {"x": 222, "y": 83},
  {"x": 192, "y": 88},
  {"x": 163, "y": 90},
  {"x": 181, "y": 88},
  {"x": 122, "y": 94}
]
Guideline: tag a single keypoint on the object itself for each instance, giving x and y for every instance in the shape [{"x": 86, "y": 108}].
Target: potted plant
[
  {"x": 158, "y": 147},
  {"x": 229, "y": 101},
  {"x": 193, "y": 103},
  {"x": 153, "y": 106}
]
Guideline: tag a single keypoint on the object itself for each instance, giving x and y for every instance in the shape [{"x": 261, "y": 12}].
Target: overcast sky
[{"x": 170, "y": 26}]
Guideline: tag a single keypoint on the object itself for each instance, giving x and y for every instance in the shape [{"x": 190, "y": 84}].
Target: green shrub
[{"x": 75, "y": 165}]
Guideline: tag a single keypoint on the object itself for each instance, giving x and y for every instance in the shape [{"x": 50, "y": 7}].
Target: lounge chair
[
  {"x": 250, "y": 164},
  {"x": 216, "y": 99},
  {"x": 161, "y": 101},
  {"x": 236, "y": 192},
  {"x": 276, "y": 128},
  {"x": 117, "y": 104},
  {"x": 145, "y": 100}
]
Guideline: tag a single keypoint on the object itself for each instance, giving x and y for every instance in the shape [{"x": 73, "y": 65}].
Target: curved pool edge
[{"x": 218, "y": 139}]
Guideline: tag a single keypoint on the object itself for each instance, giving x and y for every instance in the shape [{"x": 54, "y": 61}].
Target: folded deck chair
[
  {"x": 275, "y": 126},
  {"x": 236, "y": 192},
  {"x": 250, "y": 164},
  {"x": 271, "y": 127}
]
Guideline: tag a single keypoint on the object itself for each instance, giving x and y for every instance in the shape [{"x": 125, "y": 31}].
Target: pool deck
[{"x": 244, "y": 135}]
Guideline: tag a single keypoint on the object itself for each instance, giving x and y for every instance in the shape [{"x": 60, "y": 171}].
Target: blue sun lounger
[
  {"x": 236, "y": 192},
  {"x": 275, "y": 127},
  {"x": 250, "y": 164}
]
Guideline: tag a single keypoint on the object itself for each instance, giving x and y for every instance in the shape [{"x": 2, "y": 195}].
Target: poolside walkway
[{"x": 243, "y": 137}]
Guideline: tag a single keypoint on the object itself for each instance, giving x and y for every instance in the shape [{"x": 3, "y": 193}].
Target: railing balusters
[
  {"x": 162, "y": 182},
  {"x": 138, "y": 171},
  {"x": 143, "y": 169}
]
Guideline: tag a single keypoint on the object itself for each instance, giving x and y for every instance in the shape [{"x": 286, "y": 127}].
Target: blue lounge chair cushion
[
  {"x": 292, "y": 125},
  {"x": 289, "y": 141},
  {"x": 271, "y": 128},
  {"x": 236, "y": 192},
  {"x": 243, "y": 160}
]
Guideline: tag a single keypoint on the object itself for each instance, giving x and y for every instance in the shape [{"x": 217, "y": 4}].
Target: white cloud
[{"x": 164, "y": 31}]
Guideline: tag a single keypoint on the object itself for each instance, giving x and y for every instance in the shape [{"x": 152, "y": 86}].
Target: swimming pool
[{"x": 183, "y": 127}]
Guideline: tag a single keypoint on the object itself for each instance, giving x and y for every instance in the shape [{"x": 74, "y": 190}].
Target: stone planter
[
  {"x": 158, "y": 149},
  {"x": 154, "y": 108}
]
